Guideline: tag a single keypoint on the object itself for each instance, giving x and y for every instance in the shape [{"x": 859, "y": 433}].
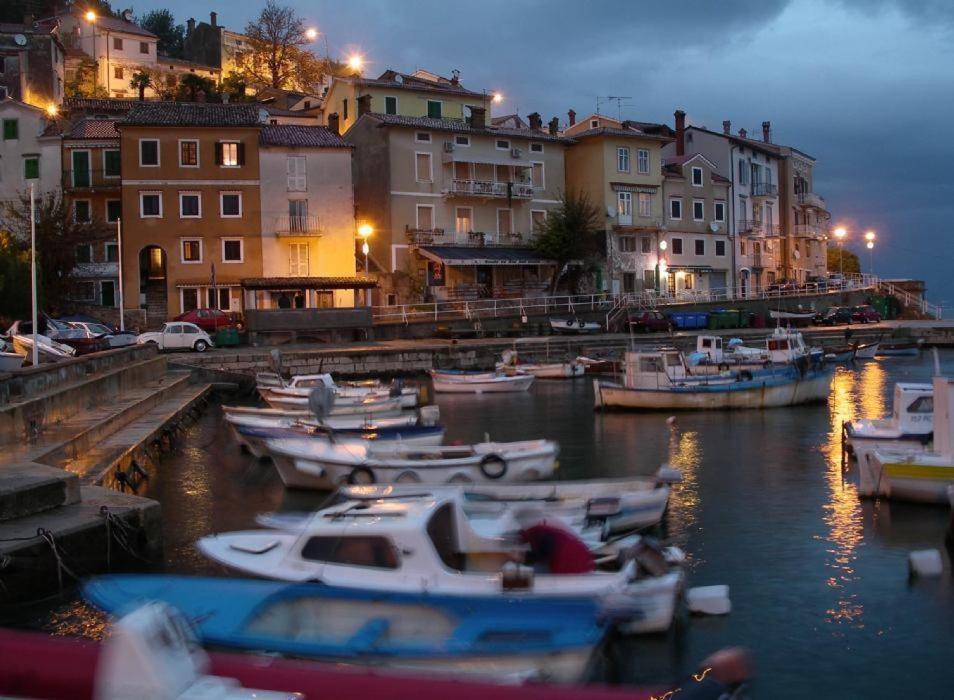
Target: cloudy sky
[{"x": 865, "y": 86}]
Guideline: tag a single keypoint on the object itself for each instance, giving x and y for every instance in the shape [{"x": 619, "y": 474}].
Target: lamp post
[
  {"x": 119, "y": 250},
  {"x": 36, "y": 343},
  {"x": 869, "y": 244},
  {"x": 840, "y": 234},
  {"x": 364, "y": 232},
  {"x": 660, "y": 266},
  {"x": 356, "y": 63}
]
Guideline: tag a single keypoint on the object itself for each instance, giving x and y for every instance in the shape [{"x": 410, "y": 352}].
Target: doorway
[{"x": 153, "y": 292}]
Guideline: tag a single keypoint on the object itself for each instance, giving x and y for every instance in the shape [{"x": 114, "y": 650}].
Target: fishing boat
[
  {"x": 480, "y": 383},
  {"x": 512, "y": 365},
  {"x": 301, "y": 384},
  {"x": 598, "y": 365},
  {"x": 663, "y": 380},
  {"x": 866, "y": 351},
  {"x": 490, "y": 637},
  {"x": 10, "y": 360},
  {"x": 323, "y": 465},
  {"x": 254, "y": 438},
  {"x": 428, "y": 545},
  {"x": 376, "y": 405},
  {"x": 574, "y": 325},
  {"x": 464, "y": 374},
  {"x": 910, "y": 424},
  {"x": 792, "y": 316},
  {"x": 900, "y": 348},
  {"x": 840, "y": 353}
]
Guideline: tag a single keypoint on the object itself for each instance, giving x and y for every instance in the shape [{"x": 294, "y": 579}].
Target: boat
[
  {"x": 464, "y": 374},
  {"x": 366, "y": 406},
  {"x": 574, "y": 325},
  {"x": 910, "y": 424},
  {"x": 489, "y": 637},
  {"x": 428, "y": 545},
  {"x": 254, "y": 438},
  {"x": 319, "y": 464},
  {"x": 866, "y": 351},
  {"x": 900, "y": 348},
  {"x": 48, "y": 350},
  {"x": 280, "y": 418},
  {"x": 598, "y": 365},
  {"x": 783, "y": 347},
  {"x": 792, "y": 316},
  {"x": 663, "y": 380},
  {"x": 10, "y": 360},
  {"x": 301, "y": 384},
  {"x": 840, "y": 354},
  {"x": 480, "y": 383},
  {"x": 912, "y": 473},
  {"x": 511, "y": 365}
]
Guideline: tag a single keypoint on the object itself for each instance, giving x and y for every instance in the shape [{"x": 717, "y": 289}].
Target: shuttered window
[
  {"x": 230, "y": 154},
  {"x": 297, "y": 182},
  {"x": 298, "y": 259}
]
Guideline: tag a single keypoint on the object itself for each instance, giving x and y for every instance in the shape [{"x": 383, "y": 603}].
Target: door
[
  {"x": 298, "y": 215},
  {"x": 107, "y": 293},
  {"x": 81, "y": 176},
  {"x": 172, "y": 336},
  {"x": 298, "y": 259},
  {"x": 625, "y": 208}
]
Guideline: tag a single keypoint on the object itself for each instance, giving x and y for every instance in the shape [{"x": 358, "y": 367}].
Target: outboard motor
[
  {"x": 397, "y": 386},
  {"x": 321, "y": 400}
]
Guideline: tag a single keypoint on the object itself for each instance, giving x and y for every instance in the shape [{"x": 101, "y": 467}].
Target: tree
[
  {"x": 191, "y": 84},
  {"x": 14, "y": 279},
  {"x": 83, "y": 82},
  {"x": 572, "y": 232},
  {"x": 57, "y": 236},
  {"x": 849, "y": 260},
  {"x": 141, "y": 80},
  {"x": 162, "y": 23},
  {"x": 234, "y": 86},
  {"x": 275, "y": 57}
]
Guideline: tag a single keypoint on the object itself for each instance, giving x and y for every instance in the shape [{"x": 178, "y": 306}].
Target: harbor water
[{"x": 818, "y": 578}]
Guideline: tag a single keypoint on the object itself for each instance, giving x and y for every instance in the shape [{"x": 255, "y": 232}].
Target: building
[
  {"x": 454, "y": 203},
  {"x": 308, "y": 228},
  {"x": 29, "y": 151},
  {"x": 417, "y": 94},
  {"x": 191, "y": 197},
  {"x": 31, "y": 63},
  {"x": 618, "y": 166},
  {"x": 805, "y": 218},
  {"x": 92, "y": 188},
  {"x": 211, "y": 44}
]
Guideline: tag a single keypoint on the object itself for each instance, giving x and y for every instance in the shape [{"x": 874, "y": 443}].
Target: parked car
[
  {"x": 177, "y": 335},
  {"x": 100, "y": 330},
  {"x": 651, "y": 321},
  {"x": 212, "y": 320},
  {"x": 834, "y": 316},
  {"x": 815, "y": 284},
  {"x": 836, "y": 280},
  {"x": 61, "y": 332},
  {"x": 782, "y": 285},
  {"x": 865, "y": 314}
]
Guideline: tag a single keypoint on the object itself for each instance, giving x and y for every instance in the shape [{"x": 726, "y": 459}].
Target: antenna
[{"x": 618, "y": 99}]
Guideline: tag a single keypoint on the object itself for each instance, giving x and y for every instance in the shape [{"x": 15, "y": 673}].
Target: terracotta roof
[
  {"x": 632, "y": 133},
  {"x": 114, "y": 24},
  {"x": 311, "y": 112},
  {"x": 94, "y": 129},
  {"x": 300, "y": 136},
  {"x": 460, "y": 126},
  {"x": 308, "y": 283},
  {"x": 755, "y": 144},
  {"x": 405, "y": 81},
  {"x": 92, "y": 104},
  {"x": 193, "y": 114}
]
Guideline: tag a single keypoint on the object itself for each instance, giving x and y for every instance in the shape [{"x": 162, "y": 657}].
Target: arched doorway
[{"x": 153, "y": 295}]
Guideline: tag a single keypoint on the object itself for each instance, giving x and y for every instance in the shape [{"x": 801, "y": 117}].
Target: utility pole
[{"x": 36, "y": 342}]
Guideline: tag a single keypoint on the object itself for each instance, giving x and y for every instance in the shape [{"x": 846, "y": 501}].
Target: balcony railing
[
  {"x": 810, "y": 231},
  {"x": 438, "y": 236},
  {"x": 758, "y": 229},
  {"x": 489, "y": 188},
  {"x": 810, "y": 199},
  {"x": 297, "y": 225},
  {"x": 89, "y": 180},
  {"x": 639, "y": 222},
  {"x": 764, "y": 189}
]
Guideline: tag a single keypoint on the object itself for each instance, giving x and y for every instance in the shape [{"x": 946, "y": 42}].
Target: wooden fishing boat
[
  {"x": 255, "y": 438},
  {"x": 900, "y": 348},
  {"x": 445, "y": 383},
  {"x": 867, "y": 351}
]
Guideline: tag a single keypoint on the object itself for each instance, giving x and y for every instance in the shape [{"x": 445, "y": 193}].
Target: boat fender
[
  {"x": 493, "y": 466},
  {"x": 723, "y": 367},
  {"x": 745, "y": 376},
  {"x": 581, "y": 323},
  {"x": 360, "y": 476},
  {"x": 569, "y": 322}
]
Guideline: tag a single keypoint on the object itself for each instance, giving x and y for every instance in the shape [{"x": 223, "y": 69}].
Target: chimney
[
  {"x": 190, "y": 26},
  {"x": 478, "y": 116},
  {"x": 455, "y": 77},
  {"x": 680, "y": 132},
  {"x": 743, "y": 133},
  {"x": 767, "y": 132},
  {"x": 364, "y": 104},
  {"x": 554, "y": 127},
  {"x": 333, "y": 122},
  {"x": 536, "y": 121},
  {"x": 213, "y": 17},
  {"x": 726, "y": 127},
  {"x": 571, "y": 115}
]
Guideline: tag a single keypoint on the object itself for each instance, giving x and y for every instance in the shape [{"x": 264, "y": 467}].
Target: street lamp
[
  {"x": 660, "y": 266},
  {"x": 869, "y": 244},
  {"x": 356, "y": 62},
  {"x": 840, "y": 234},
  {"x": 497, "y": 98},
  {"x": 364, "y": 232},
  {"x": 311, "y": 33},
  {"x": 90, "y": 16}
]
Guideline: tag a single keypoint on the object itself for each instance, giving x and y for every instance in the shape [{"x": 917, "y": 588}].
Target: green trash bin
[
  {"x": 226, "y": 337},
  {"x": 744, "y": 319}
]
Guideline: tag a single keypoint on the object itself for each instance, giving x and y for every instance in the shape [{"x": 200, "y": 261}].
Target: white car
[
  {"x": 95, "y": 330},
  {"x": 178, "y": 335}
]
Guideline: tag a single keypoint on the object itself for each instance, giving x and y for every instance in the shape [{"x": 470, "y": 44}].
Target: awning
[
  {"x": 483, "y": 255},
  {"x": 207, "y": 282},
  {"x": 690, "y": 268},
  {"x": 290, "y": 283}
]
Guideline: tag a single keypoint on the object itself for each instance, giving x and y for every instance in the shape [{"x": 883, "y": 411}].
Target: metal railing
[
  {"x": 764, "y": 189},
  {"x": 297, "y": 225},
  {"x": 911, "y": 300},
  {"x": 489, "y": 188},
  {"x": 89, "y": 179},
  {"x": 810, "y": 231},
  {"x": 756, "y": 228},
  {"x": 810, "y": 199},
  {"x": 439, "y": 236}
]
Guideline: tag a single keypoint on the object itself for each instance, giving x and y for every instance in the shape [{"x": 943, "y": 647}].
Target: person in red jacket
[{"x": 554, "y": 548}]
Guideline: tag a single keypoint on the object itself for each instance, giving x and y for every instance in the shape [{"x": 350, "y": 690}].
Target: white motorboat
[
  {"x": 255, "y": 438},
  {"x": 239, "y": 416},
  {"x": 574, "y": 325},
  {"x": 429, "y": 545},
  {"x": 910, "y": 424},
  {"x": 511, "y": 365},
  {"x": 269, "y": 383},
  {"x": 369, "y": 405},
  {"x": 322, "y": 465},
  {"x": 445, "y": 383}
]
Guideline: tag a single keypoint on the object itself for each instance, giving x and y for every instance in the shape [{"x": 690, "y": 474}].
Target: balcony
[
  {"x": 757, "y": 229},
  {"x": 297, "y": 226},
  {"x": 631, "y": 223},
  {"x": 764, "y": 189},
  {"x": 810, "y": 231},
  {"x": 489, "y": 189},
  {"x": 810, "y": 199},
  {"x": 438, "y": 236},
  {"x": 89, "y": 180}
]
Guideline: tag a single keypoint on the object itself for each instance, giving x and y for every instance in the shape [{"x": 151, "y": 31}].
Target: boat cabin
[
  {"x": 654, "y": 369},
  {"x": 913, "y": 408},
  {"x": 709, "y": 348}
]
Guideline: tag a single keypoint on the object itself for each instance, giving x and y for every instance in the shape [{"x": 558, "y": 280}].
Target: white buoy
[
  {"x": 709, "y": 600},
  {"x": 668, "y": 475},
  {"x": 925, "y": 562}
]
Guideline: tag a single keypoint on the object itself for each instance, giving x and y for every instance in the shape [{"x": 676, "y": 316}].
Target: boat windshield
[
  {"x": 923, "y": 404},
  {"x": 442, "y": 530},
  {"x": 375, "y": 552}
]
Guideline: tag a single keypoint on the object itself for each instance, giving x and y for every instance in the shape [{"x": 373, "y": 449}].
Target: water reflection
[{"x": 685, "y": 454}]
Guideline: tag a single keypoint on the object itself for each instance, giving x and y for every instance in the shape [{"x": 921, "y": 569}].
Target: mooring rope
[{"x": 61, "y": 566}]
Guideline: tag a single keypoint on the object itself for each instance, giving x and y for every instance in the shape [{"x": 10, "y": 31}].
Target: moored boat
[
  {"x": 480, "y": 384},
  {"x": 574, "y": 325},
  {"x": 867, "y": 351},
  {"x": 911, "y": 422},
  {"x": 368, "y": 405},
  {"x": 900, "y": 348},
  {"x": 255, "y": 438}
]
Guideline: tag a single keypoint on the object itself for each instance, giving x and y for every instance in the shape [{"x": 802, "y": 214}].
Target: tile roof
[
  {"x": 755, "y": 144},
  {"x": 93, "y": 104},
  {"x": 114, "y": 24},
  {"x": 194, "y": 114},
  {"x": 460, "y": 126},
  {"x": 404, "y": 81},
  {"x": 632, "y": 132},
  {"x": 300, "y": 136},
  {"x": 93, "y": 129}
]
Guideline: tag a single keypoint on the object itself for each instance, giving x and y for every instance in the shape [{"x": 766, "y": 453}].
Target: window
[
  {"x": 698, "y": 210},
  {"x": 622, "y": 159},
  {"x": 536, "y": 148},
  {"x": 629, "y": 282},
  {"x": 696, "y": 177},
  {"x": 504, "y": 222},
  {"x": 232, "y": 250},
  {"x": 923, "y": 404},
  {"x": 150, "y": 205},
  {"x": 677, "y": 246},
  {"x": 117, "y": 43},
  {"x": 189, "y": 154},
  {"x": 149, "y": 153},
  {"x": 231, "y": 154},
  {"x": 11, "y": 129},
  {"x": 743, "y": 172},
  {"x": 462, "y": 140},
  {"x": 425, "y": 217},
  {"x": 81, "y": 211},
  {"x": 111, "y": 163},
  {"x": 114, "y": 210},
  {"x": 143, "y": 47},
  {"x": 741, "y": 247},
  {"x": 422, "y": 137},
  {"x": 190, "y": 302},
  {"x": 297, "y": 176},
  {"x": 373, "y": 551},
  {"x": 538, "y": 219},
  {"x": 642, "y": 161},
  {"x": 81, "y": 168},
  {"x": 390, "y": 105},
  {"x": 434, "y": 109},
  {"x": 645, "y": 204},
  {"x": 83, "y": 291},
  {"x": 219, "y": 299},
  {"x": 594, "y": 123},
  {"x": 700, "y": 246},
  {"x": 503, "y": 145},
  {"x": 190, "y": 205},
  {"x": 718, "y": 213},
  {"x": 627, "y": 244},
  {"x": 675, "y": 208},
  {"x": 645, "y": 245},
  {"x": 720, "y": 249},
  {"x": 298, "y": 259},
  {"x": 191, "y": 250},
  {"x": 422, "y": 166},
  {"x": 464, "y": 219},
  {"x": 230, "y": 204},
  {"x": 112, "y": 252},
  {"x": 624, "y": 206},
  {"x": 31, "y": 167},
  {"x": 688, "y": 281},
  {"x": 84, "y": 253},
  {"x": 344, "y": 110},
  {"x": 118, "y": 72},
  {"x": 537, "y": 177}
]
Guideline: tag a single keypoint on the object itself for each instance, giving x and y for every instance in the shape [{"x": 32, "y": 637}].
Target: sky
[{"x": 864, "y": 86}]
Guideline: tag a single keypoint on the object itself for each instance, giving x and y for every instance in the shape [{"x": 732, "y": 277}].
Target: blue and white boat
[
  {"x": 255, "y": 437},
  {"x": 502, "y": 637}
]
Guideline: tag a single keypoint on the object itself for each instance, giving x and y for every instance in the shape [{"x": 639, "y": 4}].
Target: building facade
[
  {"x": 29, "y": 151},
  {"x": 31, "y": 63},
  {"x": 211, "y": 44},
  {"x": 805, "y": 218}
]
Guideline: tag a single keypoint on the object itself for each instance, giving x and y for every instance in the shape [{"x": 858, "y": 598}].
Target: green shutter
[
  {"x": 112, "y": 164},
  {"x": 433, "y": 109},
  {"x": 11, "y": 129},
  {"x": 390, "y": 105},
  {"x": 31, "y": 168}
]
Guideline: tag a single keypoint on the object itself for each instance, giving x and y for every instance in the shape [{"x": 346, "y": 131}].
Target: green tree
[
  {"x": 571, "y": 233},
  {"x": 849, "y": 259},
  {"x": 276, "y": 57},
  {"x": 162, "y": 23},
  {"x": 191, "y": 84},
  {"x": 234, "y": 86},
  {"x": 141, "y": 80},
  {"x": 83, "y": 82},
  {"x": 14, "y": 279}
]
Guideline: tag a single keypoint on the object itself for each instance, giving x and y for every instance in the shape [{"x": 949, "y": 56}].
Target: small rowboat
[
  {"x": 574, "y": 325},
  {"x": 376, "y": 406},
  {"x": 254, "y": 438},
  {"x": 480, "y": 384},
  {"x": 867, "y": 351},
  {"x": 900, "y": 348}
]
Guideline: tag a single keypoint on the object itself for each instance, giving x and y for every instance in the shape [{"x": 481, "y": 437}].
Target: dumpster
[
  {"x": 226, "y": 337},
  {"x": 690, "y": 320}
]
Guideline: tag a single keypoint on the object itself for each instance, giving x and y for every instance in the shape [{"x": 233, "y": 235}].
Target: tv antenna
[{"x": 618, "y": 99}]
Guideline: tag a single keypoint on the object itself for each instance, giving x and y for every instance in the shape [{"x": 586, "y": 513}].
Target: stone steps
[{"x": 28, "y": 489}]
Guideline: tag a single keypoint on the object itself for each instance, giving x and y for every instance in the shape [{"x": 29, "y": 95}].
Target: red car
[
  {"x": 865, "y": 314},
  {"x": 651, "y": 322},
  {"x": 209, "y": 320}
]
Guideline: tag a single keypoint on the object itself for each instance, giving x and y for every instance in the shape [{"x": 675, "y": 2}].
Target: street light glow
[
  {"x": 311, "y": 33},
  {"x": 51, "y": 109},
  {"x": 365, "y": 248},
  {"x": 90, "y": 16},
  {"x": 663, "y": 245},
  {"x": 365, "y": 230},
  {"x": 355, "y": 62},
  {"x": 870, "y": 245},
  {"x": 869, "y": 236},
  {"x": 840, "y": 232},
  {"x": 497, "y": 98}
]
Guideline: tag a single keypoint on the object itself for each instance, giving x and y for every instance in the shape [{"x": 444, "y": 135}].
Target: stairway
[{"x": 156, "y": 305}]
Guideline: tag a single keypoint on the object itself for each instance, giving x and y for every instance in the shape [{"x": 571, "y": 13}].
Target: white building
[{"x": 29, "y": 151}]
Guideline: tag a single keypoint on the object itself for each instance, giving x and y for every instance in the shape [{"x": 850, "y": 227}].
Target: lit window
[
  {"x": 230, "y": 154},
  {"x": 191, "y": 250}
]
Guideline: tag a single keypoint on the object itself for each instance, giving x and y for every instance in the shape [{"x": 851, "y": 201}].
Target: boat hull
[
  {"x": 254, "y": 438},
  {"x": 493, "y": 385},
  {"x": 11, "y": 361},
  {"x": 905, "y": 477}
]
